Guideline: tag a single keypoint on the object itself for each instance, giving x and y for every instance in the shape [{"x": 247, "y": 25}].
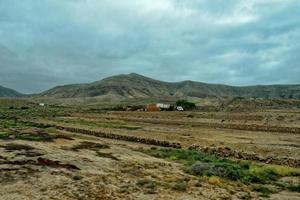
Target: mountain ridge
[
  {"x": 134, "y": 85},
  {"x": 7, "y": 92}
]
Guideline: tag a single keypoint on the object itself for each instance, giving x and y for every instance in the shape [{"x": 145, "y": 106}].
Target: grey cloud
[{"x": 53, "y": 42}]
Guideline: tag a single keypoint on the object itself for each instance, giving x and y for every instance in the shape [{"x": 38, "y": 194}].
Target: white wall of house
[{"x": 162, "y": 105}]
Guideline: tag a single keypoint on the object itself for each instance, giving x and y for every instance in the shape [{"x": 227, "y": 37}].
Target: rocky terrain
[
  {"x": 137, "y": 86},
  {"x": 6, "y": 92}
]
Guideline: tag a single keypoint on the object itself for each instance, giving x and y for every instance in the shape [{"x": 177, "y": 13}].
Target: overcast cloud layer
[{"x": 44, "y": 43}]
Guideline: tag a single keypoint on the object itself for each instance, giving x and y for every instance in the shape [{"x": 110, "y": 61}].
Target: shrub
[
  {"x": 8, "y": 123},
  {"x": 180, "y": 185},
  {"x": 226, "y": 170},
  {"x": 186, "y": 104},
  {"x": 76, "y": 178},
  {"x": 265, "y": 192},
  {"x": 149, "y": 184},
  {"x": 4, "y": 136},
  {"x": 214, "y": 180},
  {"x": 294, "y": 188},
  {"x": 124, "y": 189},
  {"x": 199, "y": 168}
]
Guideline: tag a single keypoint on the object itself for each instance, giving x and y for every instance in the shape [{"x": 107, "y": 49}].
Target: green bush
[
  {"x": 8, "y": 123},
  {"x": 180, "y": 185},
  {"x": 76, "y": 178},
  {"x": 294, "y": 188},
  {"x": 149, "y": 184},
  {"x": 186, "y": 104},
  {"x": 265, "y": 192},
  {"x": 222, "y": 169},
  {"x": 200, "y": 168},
  {"x": 4, "y": 136}
]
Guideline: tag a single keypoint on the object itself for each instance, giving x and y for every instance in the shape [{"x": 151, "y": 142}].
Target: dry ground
[
  {"x": 108, "y": 173},
  {"x": 184, "y": 128},
  {"x": 46, "y": 163}
]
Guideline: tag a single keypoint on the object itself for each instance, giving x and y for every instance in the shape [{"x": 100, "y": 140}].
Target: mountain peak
[
  {"x": 134, "y": 85},
  {"x": 134, "y": 74},
  {"x": 132, "y": 77}
]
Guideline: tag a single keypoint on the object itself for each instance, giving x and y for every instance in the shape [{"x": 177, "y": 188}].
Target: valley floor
[{"x": 38, "y": 160}]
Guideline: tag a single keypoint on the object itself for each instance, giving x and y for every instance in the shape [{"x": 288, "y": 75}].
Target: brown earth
[
  {"x": 65, "y": 161},
  {"x": 203, "y": 129}
]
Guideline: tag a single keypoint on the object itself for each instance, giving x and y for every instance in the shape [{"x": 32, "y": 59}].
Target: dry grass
[
  {"x": 124, "y": 173},
  {"x": 276, "y": 169},
  {"x": 214, "y": 180}
]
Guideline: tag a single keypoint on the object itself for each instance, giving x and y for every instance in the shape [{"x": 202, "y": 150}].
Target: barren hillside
[
  {"x": 6, "y": 92},
  {"x": 138, "y": 86}
]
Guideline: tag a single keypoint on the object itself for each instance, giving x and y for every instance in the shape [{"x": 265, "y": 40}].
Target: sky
[{"x": 45, "y": 43}]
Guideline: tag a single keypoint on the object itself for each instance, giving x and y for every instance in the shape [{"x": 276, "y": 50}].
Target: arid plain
[{"x": 55, "y": 152}]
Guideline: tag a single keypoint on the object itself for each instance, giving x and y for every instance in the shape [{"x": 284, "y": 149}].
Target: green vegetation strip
[
  {"x": 12, "y": 129},
  {"x": 10, "y": 123},
  {"x": 203, "y": 164}
]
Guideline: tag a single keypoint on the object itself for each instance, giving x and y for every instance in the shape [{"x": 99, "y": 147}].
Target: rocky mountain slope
[
  {"x": 6, "y": 92},
  {"x": 138, "y": 86}
]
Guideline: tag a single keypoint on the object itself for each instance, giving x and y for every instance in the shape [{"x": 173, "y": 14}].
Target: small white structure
[
  {"x": 163, "y": 106},
  {"x": 179, "y": 108},
  {"x": 42, "y": 104}
]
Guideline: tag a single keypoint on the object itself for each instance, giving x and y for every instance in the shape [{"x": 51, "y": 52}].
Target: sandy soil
[
  {"x": 78, "y": 166},
  {"x": 160, "y": 125},
  {"x": 113, "y": 176}
]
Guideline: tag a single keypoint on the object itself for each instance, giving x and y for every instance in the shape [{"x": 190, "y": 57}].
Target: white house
[{"x": 163, "y": 106}]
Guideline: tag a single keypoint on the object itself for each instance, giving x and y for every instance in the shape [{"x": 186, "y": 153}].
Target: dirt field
[
  {"x": 67, "y": 153},
  {"x": 204, "y": 129}
]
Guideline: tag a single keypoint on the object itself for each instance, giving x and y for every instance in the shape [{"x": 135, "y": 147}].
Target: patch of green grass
[
  {"x": 203, "y": 164},
  {"x": 187, "y": 157},
  {"x": 4, "y": 136},
  {"x": 149, "y": 185},
  {"x": 8, "y": 123},
  {"x": 294, "y": 188},
  {"x": 39, "y": 136},
  {"x": 276, "y": 169},
  {"x": 264, "y": 191}
]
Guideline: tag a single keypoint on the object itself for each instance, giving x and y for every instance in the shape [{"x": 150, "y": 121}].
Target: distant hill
[
  {"x": 137, "y": 86},
  {"x": 6, "y": 92}
]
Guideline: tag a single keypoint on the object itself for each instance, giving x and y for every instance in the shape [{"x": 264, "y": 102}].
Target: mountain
[
  {"x": 129, "y": 86},
  {"x": 6, "y": 92}
]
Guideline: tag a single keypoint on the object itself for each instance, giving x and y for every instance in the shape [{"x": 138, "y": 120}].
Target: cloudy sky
[{"x": 44, "y": 43}]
